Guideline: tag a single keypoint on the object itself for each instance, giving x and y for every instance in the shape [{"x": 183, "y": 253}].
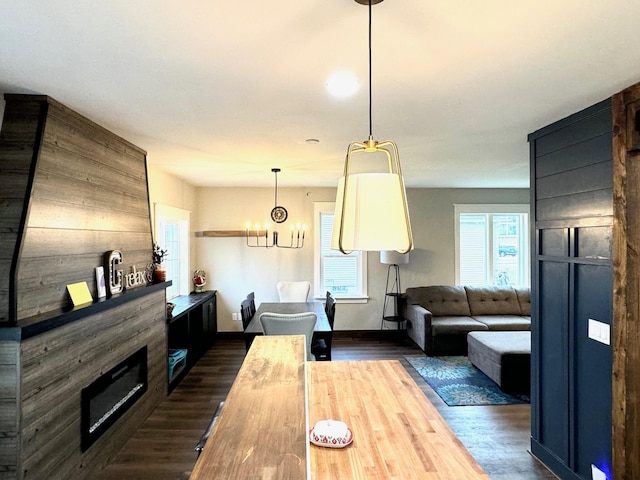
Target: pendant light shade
[
  {"x": 371, "y": 214},
  {"x": 371, "y": 208}
]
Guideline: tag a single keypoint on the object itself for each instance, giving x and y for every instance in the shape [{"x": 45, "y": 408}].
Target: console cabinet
[{"x": 191, "y": 327}]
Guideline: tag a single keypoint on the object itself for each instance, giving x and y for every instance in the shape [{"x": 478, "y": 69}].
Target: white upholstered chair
[
  {"x": 290, "y": 324},
  {"x": 293, "y": 291}
]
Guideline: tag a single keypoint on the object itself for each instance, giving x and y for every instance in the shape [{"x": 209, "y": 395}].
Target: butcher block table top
[
  {"x": 262, "y": 431},
  {"x": 397, "y": 432}
]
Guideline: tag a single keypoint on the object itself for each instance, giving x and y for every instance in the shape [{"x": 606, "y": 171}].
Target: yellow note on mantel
[{"x": 79, "y": 293}]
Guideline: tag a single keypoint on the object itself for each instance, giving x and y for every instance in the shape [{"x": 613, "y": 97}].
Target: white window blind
[
  {"x": 492, "y": 245},
  {"x": 343, "y": 275}
]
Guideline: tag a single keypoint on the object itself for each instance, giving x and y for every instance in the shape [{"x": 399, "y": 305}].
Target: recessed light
[
  {"x": 312, "y": 140},
  {"x": 342, "y": 84}
]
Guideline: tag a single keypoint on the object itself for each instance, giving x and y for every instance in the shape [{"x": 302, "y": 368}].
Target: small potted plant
[{"x": 159, "y": 273}]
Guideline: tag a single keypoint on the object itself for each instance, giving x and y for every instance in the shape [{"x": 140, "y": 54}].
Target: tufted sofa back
[
  {"x": 455, "y": 300},
  {"x": 493, "y": 301},
  {"x": 440, "y": 300}
]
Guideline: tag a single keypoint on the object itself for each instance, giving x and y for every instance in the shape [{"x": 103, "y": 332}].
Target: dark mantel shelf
[{"x": 38, "y": 324}]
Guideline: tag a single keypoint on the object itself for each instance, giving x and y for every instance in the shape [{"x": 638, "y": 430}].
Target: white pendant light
[{"x": 371, "y": 208}]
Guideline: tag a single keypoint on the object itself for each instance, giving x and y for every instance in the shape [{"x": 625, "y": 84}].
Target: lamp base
[{"x": 391, "y": 297}]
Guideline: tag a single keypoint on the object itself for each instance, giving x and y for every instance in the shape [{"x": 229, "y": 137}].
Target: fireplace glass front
[{"x": 111, "y": 395}]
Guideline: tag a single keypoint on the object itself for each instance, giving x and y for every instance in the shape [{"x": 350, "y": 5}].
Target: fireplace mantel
[{"x": 38, "y": 324}]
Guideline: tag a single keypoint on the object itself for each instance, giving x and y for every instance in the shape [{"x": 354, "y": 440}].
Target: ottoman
[{"x": 504, "y": 357}]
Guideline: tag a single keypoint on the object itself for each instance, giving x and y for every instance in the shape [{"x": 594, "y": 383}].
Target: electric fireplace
[{"x": 111, "y": 395}]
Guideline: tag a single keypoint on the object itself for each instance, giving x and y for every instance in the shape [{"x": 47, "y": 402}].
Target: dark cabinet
[{"x": 191, "y": 331}]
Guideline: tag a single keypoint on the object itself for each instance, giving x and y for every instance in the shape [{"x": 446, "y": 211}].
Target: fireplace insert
[{"x": 111, "y": 395}]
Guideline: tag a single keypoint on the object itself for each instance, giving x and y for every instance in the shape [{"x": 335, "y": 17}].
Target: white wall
[
  {"x": 235, "y": 270},
  {"x": 168, "y": 190}
]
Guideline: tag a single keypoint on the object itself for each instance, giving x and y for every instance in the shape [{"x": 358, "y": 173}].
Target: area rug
[{"x": 459, "y": 383}]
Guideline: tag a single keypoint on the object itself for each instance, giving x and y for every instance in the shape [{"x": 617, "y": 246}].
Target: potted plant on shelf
[{"x": 159, "y": 273}]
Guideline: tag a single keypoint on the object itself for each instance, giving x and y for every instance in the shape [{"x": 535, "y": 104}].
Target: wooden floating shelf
[{"x": 225, "y": 233}]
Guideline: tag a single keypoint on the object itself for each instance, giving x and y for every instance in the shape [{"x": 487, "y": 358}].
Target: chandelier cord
[
  {"x": 370, "y": 88},
  {"x": 275, "y": 200}
]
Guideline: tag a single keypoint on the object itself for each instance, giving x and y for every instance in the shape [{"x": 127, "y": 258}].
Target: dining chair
[
  {"x": 246, "y": 312},
  {"x": 293, "y": 291},
  {"x": 290, "y": 324},
  {"x": 252, "y": 298},
  {"x": 319, "y": 346}
]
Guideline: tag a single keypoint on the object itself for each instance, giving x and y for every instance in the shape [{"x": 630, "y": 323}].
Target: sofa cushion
[
  {"x": 455, "y": 325},
  {"x": 524, "y": 299},
  {"x": 505, "y": 322},
  {"x": 492, "y": 301},
  {"x": 440, "y": 300}
]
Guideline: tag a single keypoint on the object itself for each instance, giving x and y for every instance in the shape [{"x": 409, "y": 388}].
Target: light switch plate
[{"x": 599, "y": 331}]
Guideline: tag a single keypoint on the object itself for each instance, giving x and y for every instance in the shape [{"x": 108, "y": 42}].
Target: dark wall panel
[
  {"x": 572, "y": 206},
  {"x": 592, "y": 362},
  {"x": 553, "y": 334}
]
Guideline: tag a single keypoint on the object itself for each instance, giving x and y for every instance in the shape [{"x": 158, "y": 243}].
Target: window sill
[{"x": 344, "y": 299}]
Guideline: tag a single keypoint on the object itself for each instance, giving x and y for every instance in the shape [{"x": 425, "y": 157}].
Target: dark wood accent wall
[
  {"x": 9, "y": 408},
  {"x": 572, "y": 266},
  {"x": 76, "y": 191},
  {"x": 56, "y": 365},
  {"x": 70, "y": 192},
  {"x": 626, "y": 291},
  {"x": 19, "y": 146}
]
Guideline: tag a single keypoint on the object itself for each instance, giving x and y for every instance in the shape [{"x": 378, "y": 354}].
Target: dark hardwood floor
[{"x": 163, "y": 448}]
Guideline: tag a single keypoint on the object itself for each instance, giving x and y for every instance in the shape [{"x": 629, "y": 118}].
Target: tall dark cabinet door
[{"x": 572, "y": 286}]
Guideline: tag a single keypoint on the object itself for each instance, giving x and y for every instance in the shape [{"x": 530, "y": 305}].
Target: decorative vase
[{"x": 160, "y": 275}]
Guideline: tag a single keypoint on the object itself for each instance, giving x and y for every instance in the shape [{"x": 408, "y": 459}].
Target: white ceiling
[{"x": 219, "y": 92}]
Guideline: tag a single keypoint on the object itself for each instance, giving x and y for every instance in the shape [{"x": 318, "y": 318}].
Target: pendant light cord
[
  {"x": 370, "y": 88},
  {"x": 275, "y": 200}
]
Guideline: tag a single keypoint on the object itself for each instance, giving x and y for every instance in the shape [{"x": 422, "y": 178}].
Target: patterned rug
[{"x": 458, "y": 382}]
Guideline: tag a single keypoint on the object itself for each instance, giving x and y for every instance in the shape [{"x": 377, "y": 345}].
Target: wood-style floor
[{"x": 163, "y": 448}]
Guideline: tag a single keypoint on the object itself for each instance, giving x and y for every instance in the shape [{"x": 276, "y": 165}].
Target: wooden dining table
[
  {"x": 322, "y": 330},
  {"x": 263, "y": 428}
]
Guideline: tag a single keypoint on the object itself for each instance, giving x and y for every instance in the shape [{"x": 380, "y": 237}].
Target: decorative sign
[
  {"x": 135, "y": 278},
  {"x": 112, "y": 259}
]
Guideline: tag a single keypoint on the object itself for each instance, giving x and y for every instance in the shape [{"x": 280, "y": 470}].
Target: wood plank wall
[
  {"x": 9, "y": 408},
  {"x": 626, "y": 284},
  {"x": 70, "y": 192},
  {"x": 58, "y": 364},
  {"x": 89, "y": 196},
  {"x": 19, "y": 140}
]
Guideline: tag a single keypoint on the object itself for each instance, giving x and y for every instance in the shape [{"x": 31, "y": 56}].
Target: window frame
[
  {"x": 496, "y": 209},
  {"x": 326, "y": 208},
  {"x": 165, "y": 214}
]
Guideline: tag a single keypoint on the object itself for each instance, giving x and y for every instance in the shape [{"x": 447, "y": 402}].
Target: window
[
  {"x": 492, "y": 245},
  {"x": 172, "y": 234},
  {"x": 345, "y": 276}
]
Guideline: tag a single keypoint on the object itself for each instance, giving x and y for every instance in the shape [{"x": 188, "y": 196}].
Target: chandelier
[
  {"x": 371, "y": 208},
  {"x": 262, "y": 235}
]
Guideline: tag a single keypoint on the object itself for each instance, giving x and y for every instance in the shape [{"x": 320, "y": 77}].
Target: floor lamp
[{"x": 393, "y": 289}]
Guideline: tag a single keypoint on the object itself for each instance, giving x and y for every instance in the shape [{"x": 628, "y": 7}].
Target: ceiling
[{"x": 219, "y": 92}]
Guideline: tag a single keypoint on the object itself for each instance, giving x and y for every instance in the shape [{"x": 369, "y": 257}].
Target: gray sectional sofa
[{"x": 440, "y": 316}]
